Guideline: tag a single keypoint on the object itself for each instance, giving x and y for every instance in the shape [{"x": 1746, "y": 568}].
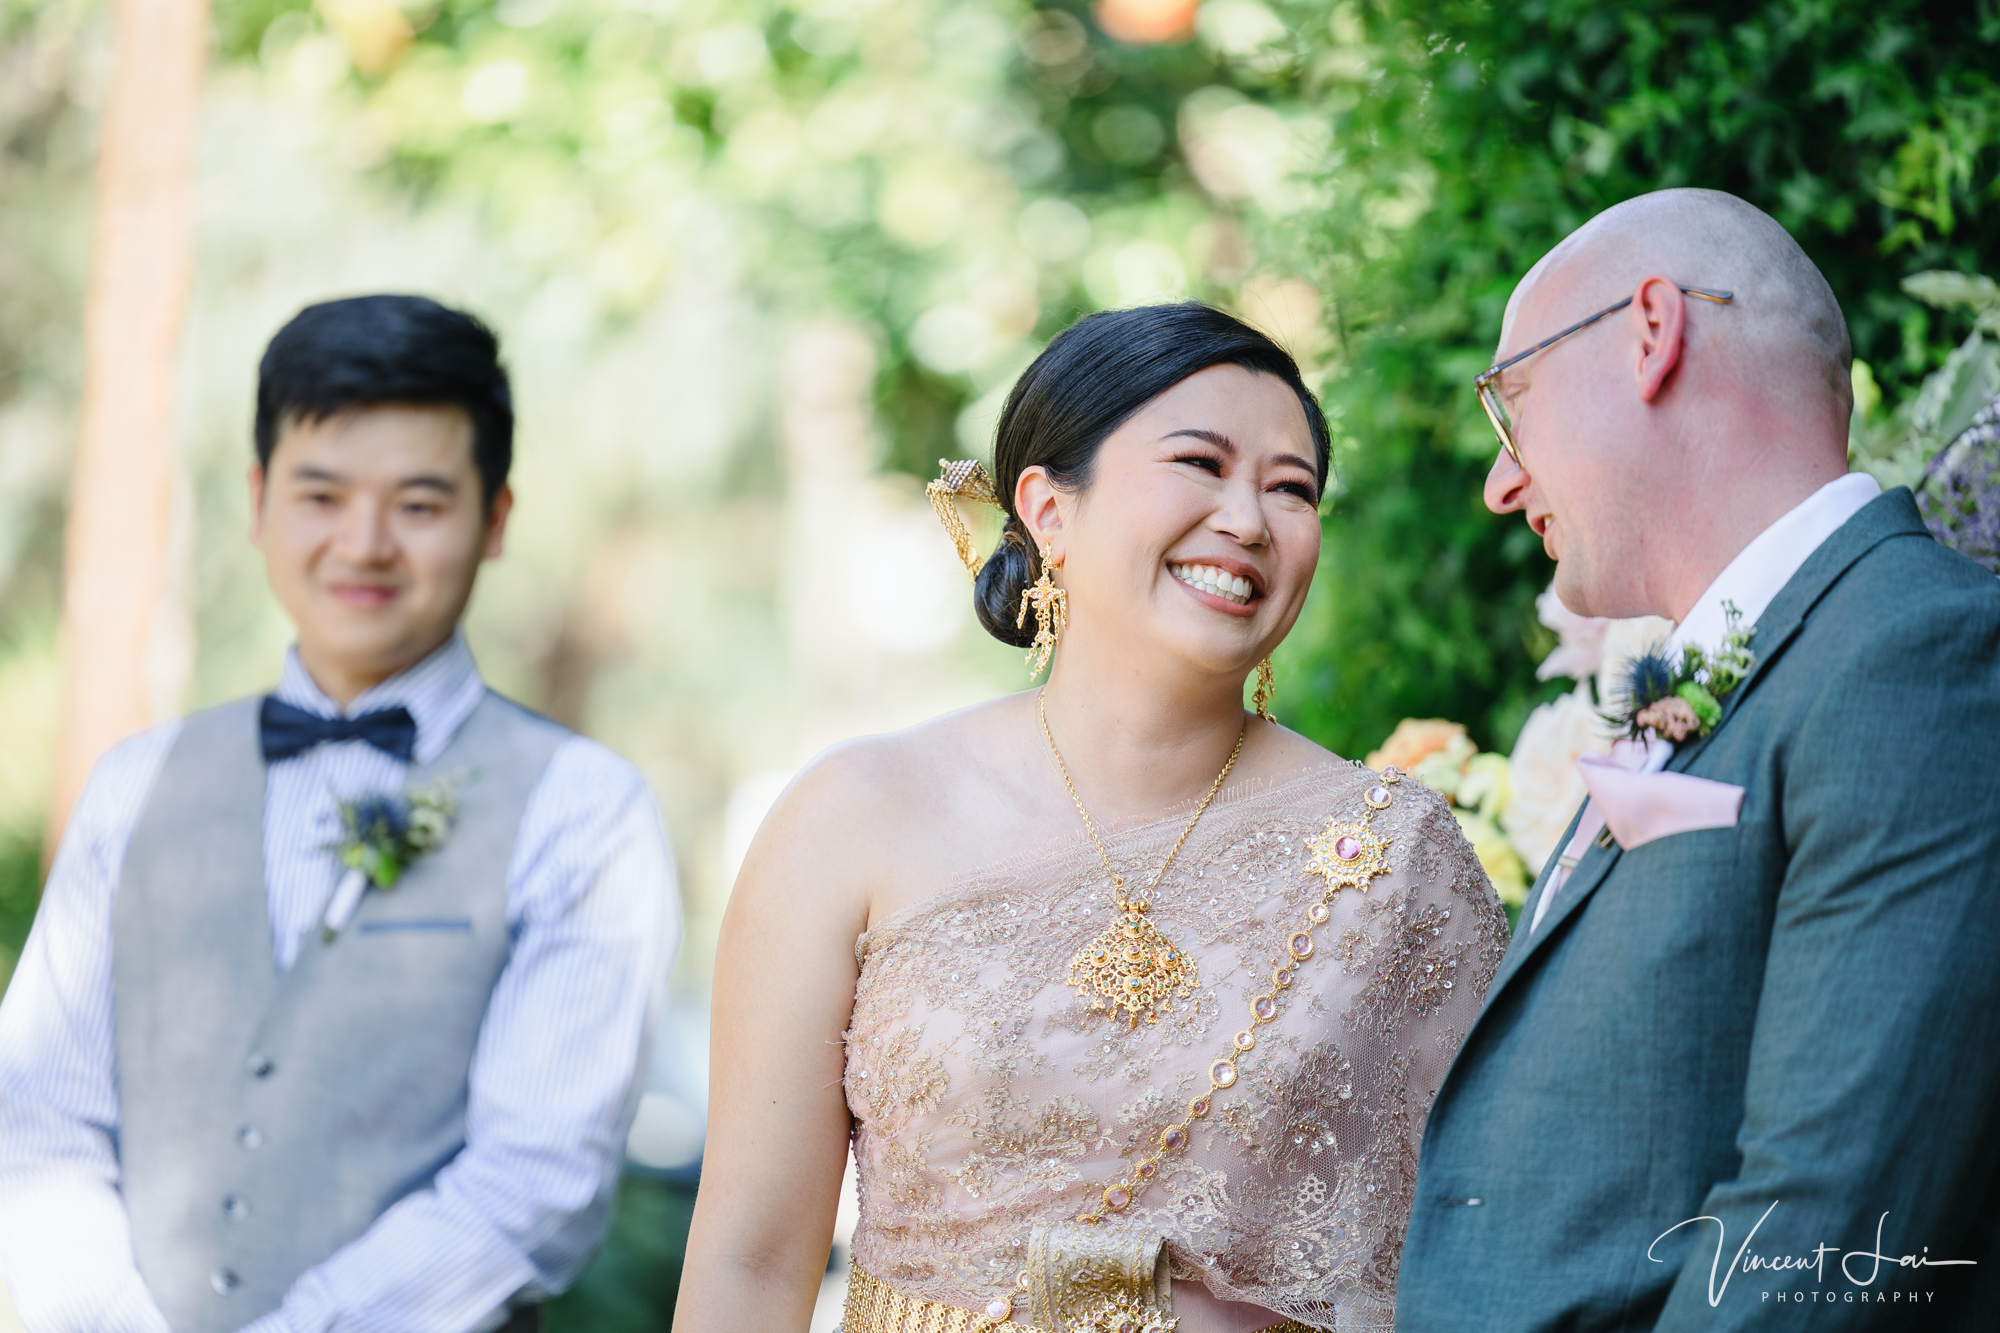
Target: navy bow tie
[{"x": 288, "y": 731}]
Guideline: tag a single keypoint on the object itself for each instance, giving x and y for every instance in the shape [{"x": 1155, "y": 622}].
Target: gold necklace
[{"x": 1131, "y": 967}]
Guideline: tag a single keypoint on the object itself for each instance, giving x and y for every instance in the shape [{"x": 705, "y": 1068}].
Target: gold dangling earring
[
  {"x": 1051, "y": 616},
  {"x": 1267, "y": 689}
]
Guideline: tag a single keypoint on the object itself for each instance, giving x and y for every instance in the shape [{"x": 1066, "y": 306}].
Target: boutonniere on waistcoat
[
  {"x": 381, "y": 835},
  {"x": 1676, "y": 700}
]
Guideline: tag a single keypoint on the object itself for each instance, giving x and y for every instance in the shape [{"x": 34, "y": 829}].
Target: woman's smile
[{"x": 1228, "y": 591}]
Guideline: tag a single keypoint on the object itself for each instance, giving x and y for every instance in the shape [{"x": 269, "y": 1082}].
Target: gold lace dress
[{"x": 992, "y": 1108}]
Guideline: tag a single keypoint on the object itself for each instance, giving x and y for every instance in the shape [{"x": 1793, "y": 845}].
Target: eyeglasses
[{"x": 1489, "y": 396}]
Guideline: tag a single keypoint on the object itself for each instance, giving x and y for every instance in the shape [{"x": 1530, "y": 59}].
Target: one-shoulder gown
[{"x": 993, "y": 1109}]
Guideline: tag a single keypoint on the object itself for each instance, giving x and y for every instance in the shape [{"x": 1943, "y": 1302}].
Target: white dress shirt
[
  {"x": 592, "y": 903},
  {"x": 1748, "y": 583}
]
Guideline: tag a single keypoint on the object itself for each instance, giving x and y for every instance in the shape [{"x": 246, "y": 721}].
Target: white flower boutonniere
[{"x": 381, "y": 836}]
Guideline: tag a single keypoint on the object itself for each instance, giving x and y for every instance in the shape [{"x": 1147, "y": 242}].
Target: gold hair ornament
[
  {"x": 968, "y": 479},
  {"x": 964, "y": 479}
]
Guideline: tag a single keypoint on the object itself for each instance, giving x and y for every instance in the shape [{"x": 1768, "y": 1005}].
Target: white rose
[{"x": 1547, "y": 787}]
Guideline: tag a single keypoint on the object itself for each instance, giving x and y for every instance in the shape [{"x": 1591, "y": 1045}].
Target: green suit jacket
[{"x": 1789, "y": 1029}]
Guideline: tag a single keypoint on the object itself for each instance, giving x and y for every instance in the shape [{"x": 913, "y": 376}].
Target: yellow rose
[
  {"x": 1496, "y": 856},
  {"x": 1487, "y": 786}
]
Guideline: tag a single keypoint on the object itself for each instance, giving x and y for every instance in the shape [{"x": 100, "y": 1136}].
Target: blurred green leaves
[
  {"x": 963, "y": 176},
  {"x": 1898, "y": 446},
  {"x": 20, "y": 887},
  {"x": 1466, "y": 139}
]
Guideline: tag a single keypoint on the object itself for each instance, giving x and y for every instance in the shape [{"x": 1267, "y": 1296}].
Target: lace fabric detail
[{"x": 989, "y": 1102}]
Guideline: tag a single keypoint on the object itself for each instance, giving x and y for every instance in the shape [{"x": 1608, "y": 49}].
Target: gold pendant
[{"x": 1131, "y": 970}]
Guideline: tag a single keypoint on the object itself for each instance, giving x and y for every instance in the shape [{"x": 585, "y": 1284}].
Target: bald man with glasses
[{"x": 1744, "y": 1040}]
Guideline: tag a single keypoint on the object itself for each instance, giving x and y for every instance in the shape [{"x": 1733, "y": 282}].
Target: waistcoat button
[
  {"x": 224, "y": 1281},
  {"x": 236, "y": 1208},
  {"x": 261, "y": 1065},
  {"x": 249, "y": 1138}
]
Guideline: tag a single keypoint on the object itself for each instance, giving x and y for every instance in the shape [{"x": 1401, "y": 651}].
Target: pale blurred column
[
  {"x": 874, "y": 594},
  {"x": 828, "y": 372},
  {"x": 117, "y": 605}
]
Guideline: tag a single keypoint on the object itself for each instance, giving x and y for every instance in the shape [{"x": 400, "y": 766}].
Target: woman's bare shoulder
[
  {"x": 1300, "y": 751},
  {"x": 1281, "y": 754}
]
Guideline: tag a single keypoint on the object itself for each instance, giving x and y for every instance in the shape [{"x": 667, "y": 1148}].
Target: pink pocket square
[{"x": 1639, "y": 807}]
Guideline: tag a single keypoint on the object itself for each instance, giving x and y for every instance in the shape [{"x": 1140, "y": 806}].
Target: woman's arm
[{"x": 784, "y": 990}]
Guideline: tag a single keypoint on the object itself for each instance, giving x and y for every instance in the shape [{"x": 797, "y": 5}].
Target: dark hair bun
[{"x": 996, "y": 593}]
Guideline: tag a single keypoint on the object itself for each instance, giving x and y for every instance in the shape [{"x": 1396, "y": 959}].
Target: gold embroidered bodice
[{"x": 991, "y": 1107}]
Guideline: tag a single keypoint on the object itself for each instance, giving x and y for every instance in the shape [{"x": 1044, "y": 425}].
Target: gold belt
[{"x": 874, "y": 1306}]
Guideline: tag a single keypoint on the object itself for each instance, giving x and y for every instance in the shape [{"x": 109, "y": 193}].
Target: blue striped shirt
[{"x": 592, "y": 901}]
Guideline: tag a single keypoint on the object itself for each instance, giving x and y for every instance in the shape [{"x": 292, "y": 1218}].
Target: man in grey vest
[
  {"x": 333, "y": 1013},
  {"x": 1737, "y": 1070}
]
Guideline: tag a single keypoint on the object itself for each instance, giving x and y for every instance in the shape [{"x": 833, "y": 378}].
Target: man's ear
[
  {"x": 496, "y": 521},
  {"x": 1035, "y": 500},
  {"x": 257, "y": 504},
  {"x": 1660, "y": 313}
]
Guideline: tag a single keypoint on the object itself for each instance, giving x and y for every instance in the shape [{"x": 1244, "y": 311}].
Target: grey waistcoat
[{"x": 266, "y": 1120}]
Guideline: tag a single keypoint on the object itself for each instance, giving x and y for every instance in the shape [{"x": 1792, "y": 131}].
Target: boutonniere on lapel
[
  {"x": 1676, "y": 700},
  {"x": 381, "y": 836}
]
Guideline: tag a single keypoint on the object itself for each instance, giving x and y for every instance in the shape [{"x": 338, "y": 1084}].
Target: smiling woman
[
  {"x": 1171, "y": 361},
  {"x": 1065, "y": 953}
]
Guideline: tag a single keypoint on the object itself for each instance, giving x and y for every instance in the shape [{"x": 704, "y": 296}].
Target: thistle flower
[
  {"x": 1623, "y": 641},
  {"x": 376, "y": 818},
  {"x": 1649, "y": 679},
  {"x": 382, "y": 834},
  {"x": 1677, "y": 700}
]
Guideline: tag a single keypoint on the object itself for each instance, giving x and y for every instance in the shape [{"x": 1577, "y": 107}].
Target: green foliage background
[{"x": 1468, "y": 138}]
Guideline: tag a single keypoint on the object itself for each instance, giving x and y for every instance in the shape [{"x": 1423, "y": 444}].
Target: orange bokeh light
[{"x": 1146, "y": 22}]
